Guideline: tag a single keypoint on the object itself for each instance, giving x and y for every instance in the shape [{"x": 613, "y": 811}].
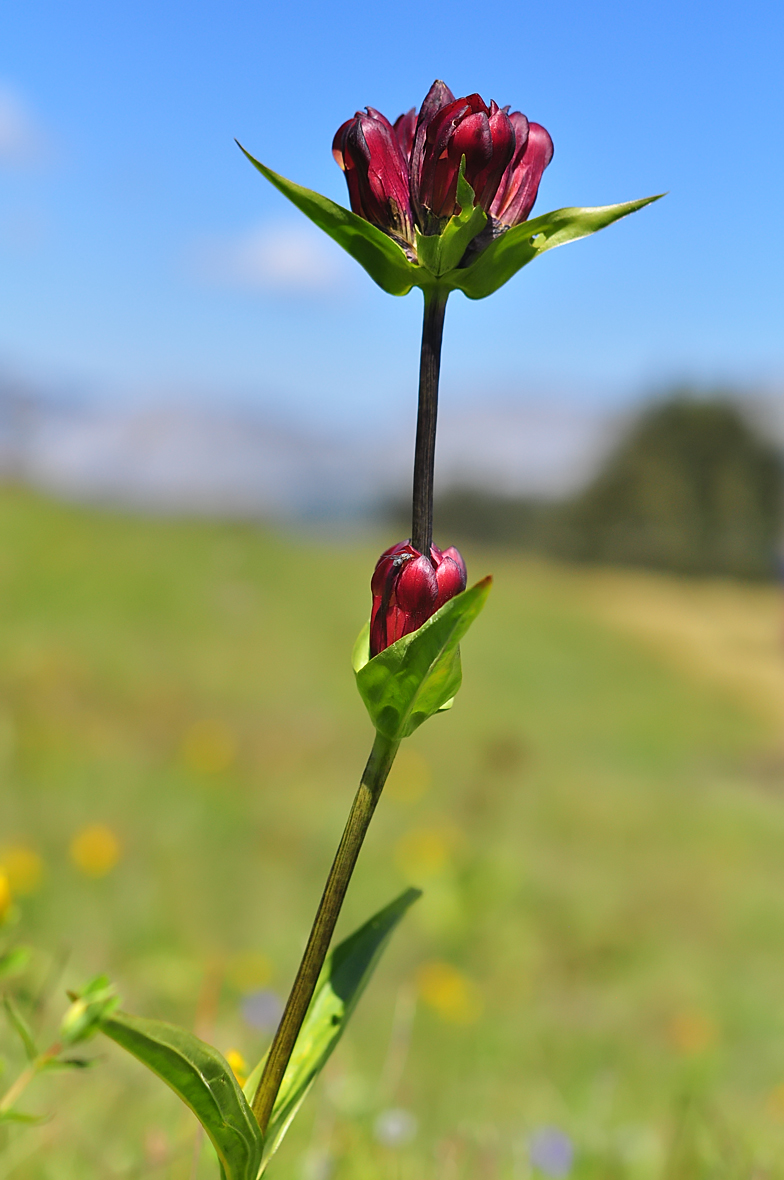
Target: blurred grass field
[{"x": 598, "y": 828}]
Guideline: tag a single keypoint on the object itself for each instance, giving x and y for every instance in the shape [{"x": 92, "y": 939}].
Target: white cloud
[
  {"x": 22, "y": 139},
  {"x": 283, "y": 257}
]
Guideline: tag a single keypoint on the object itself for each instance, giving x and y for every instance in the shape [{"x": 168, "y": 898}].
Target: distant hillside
[{"x": 692, "y": 487}]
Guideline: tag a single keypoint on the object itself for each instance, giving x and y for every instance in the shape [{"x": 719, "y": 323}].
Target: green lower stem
[
  {"x": 25, "y": 1078},
  {"x": 374, "y": 776}
]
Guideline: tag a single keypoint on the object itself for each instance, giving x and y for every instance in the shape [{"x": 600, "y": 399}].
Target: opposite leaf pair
[{"x": 203, "y": 1079}]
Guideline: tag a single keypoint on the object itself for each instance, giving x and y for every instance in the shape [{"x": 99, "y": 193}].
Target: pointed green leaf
[
  {"x": 21, "y": 1027},
  {"x": 383, "y": 259},
  {"x": 360, "y": 653},
  {"x": 521, "y": 244},
  {"x": 418, "y": 675},
  {"x": 14, "y": 961},
  {"x": 203, "y": 1079},
  {"x": 17, "y": 1116},
  {"x": 442, "y": 252},
  {"x": 343, "y": 979}
]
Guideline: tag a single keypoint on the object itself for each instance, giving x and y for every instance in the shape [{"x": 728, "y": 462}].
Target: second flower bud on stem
[{"x": 408, "y": 588}]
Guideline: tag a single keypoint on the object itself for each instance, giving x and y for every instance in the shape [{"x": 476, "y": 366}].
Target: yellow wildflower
[
  {"x": 209, "y": 747},
  {"x": 426, "y": 852},
  {"x": 23, "y": 867},
  {"x": 5, "y": 897},
  {"x": 451, "y": 994},
  {"x": 691, "y": 1032},
  {"x": 237, "y": 1065},
  {"x": 95, "y": 850}
]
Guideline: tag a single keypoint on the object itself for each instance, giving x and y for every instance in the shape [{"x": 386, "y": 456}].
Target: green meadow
[{"x": 597, "y": 827}]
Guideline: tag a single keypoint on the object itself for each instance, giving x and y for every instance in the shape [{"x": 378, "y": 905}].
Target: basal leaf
[
  {"x": 419, "y": 674},
  {"x": 441, "y": 253},
  {"x": 342, "y": 981},
  {"x": 204, "y": 1081},
  {"x": 383, "y": 259},
  {"x": 521, "y": 244}
]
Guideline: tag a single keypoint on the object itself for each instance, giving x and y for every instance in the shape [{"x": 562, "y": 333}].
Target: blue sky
[{"x": 142, "y": 257}]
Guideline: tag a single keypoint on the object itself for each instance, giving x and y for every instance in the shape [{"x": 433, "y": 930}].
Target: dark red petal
[
  {"x": 476, "y": 103},
  {"x": 338, "y": 142},
  {"x": 487, "y": 180},
  {"x": 383, "y": 576},
  {"x": 438, "y": 96},
  {"x": 442, "y": 155},
  {"x": 405, "y": 127},
  {"x": 507, "y": 185},
  {"x": 378, "y": 631},
  {"x": 416, "y": 588},
  {"x": 457, "y": 557},
  {"x": 522, "y": 184},
  {"x": 472, "y": 138},
  {"x": 520, "y": 124},
  {"x": 451, "y": 581}
]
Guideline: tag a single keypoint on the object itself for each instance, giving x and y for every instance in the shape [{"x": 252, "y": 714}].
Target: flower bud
[
  {"x": 408, "y": 588},
  {"x": 89, "y": 1008},
  {"x": 519, "y": 185},
  {"x": 369, "y": 151}
]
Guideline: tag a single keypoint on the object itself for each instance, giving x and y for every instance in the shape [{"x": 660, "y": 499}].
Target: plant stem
[
  {"x": 19, "y": 1086},
  {"x": 425, "y": 453},
  {"x": 373, "y": 778},
  {"x": 26, "y": 1077}
]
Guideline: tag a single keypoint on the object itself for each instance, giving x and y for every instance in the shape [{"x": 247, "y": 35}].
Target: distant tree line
[{"x": 692, "y": 487}]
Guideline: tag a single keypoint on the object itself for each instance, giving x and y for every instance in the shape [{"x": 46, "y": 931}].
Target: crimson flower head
[
  {"x": 404, "y": 175},
  {"x": 408, "y": 588}
]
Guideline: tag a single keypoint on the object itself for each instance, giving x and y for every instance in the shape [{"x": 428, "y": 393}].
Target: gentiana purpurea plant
[{"x": 440, "y": 200}]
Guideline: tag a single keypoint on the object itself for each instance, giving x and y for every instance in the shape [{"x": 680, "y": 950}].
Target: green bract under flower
[{"x": 440, "y": 257}]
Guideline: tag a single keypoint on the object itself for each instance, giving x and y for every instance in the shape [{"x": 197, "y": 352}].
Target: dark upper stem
[
  {"x": 373, "y": 778},
  {"x": 425, "y": 453}
]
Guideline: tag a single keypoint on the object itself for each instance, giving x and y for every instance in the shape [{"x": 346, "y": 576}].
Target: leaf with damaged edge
[{"x": 521, "y": 244}]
